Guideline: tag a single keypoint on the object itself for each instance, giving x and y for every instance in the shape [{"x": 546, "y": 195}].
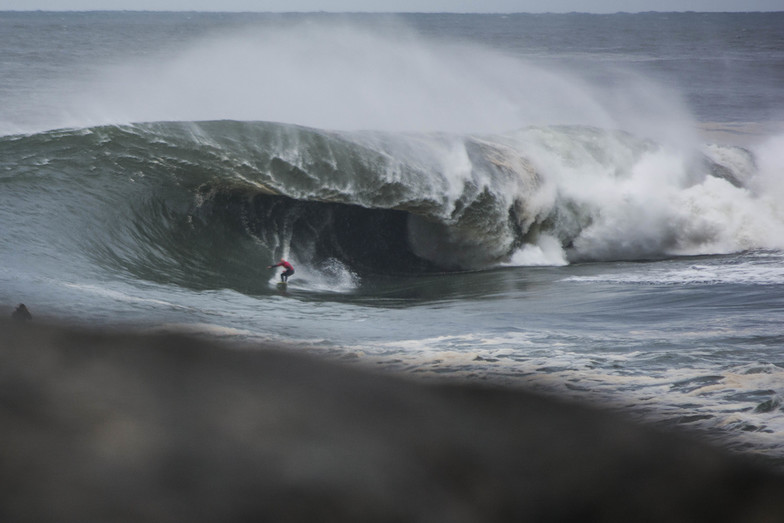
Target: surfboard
[{"x": 282, "y": 285}]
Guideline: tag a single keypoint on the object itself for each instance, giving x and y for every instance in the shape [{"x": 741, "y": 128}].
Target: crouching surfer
[{"x": 289, "y": 270}]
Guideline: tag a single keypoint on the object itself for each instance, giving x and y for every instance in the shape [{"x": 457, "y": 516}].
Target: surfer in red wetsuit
[{"x": 284, "y": 276}]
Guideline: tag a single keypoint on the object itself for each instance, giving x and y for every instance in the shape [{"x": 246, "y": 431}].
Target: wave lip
[{"x": 440, "y": 201}]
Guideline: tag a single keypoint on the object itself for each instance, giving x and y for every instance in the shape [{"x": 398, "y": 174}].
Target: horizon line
[{"x": 244, "y": 11}]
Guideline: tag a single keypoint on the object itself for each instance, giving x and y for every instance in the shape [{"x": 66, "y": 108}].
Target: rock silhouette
[{"x": 117, "y": 426}]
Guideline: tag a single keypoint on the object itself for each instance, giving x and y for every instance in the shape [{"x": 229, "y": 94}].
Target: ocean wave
[{"x": 210, "y": 203}]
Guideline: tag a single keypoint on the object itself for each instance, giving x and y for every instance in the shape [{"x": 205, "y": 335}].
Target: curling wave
[{"x": 207, "y": 204}]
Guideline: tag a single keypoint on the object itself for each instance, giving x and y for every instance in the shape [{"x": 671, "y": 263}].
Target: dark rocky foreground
[{"x": 105, "y": 427}]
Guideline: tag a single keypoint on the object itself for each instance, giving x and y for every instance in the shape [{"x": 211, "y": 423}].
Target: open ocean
[{"x": 586, "y": 205}]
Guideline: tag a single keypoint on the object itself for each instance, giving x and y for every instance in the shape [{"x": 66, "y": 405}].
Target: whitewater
[{"x": 511, "y": 199}]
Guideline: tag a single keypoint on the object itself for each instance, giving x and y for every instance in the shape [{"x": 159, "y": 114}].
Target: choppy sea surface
[{"x": 589, "y": 205}]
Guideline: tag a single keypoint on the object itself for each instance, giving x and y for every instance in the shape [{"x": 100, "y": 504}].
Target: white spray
[{"x": 336, "y": 75}]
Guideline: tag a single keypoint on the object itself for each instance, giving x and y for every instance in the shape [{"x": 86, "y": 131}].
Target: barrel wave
[{"x": 210, "y": 204}]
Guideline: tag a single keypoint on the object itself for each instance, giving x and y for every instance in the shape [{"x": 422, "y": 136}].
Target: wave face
[{"x": 209, "y": 204}]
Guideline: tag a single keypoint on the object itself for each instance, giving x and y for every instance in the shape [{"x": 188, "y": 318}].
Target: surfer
[{"x": 284, "y": 276}]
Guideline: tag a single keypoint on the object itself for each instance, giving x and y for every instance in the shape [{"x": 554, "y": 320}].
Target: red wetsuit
[{"x": 288, "y": 272}]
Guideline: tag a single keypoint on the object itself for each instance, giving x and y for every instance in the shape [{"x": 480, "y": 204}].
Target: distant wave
[{"x": 209, "y": 203}]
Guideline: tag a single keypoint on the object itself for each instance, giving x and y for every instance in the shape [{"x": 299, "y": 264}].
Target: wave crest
[{"x": 219, "y": 196}]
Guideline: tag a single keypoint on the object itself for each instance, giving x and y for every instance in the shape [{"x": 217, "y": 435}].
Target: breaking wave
[{"x": 208, "y": 204}]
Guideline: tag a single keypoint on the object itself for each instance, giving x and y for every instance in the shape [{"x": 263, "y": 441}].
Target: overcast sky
[{"x": 458, "y": 6}]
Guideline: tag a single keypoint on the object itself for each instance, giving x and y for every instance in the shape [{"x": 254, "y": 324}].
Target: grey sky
[{"x": 505, "y": 6}]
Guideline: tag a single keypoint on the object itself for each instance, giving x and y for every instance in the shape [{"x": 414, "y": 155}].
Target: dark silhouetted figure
[{"x": 21, "y": 313}]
